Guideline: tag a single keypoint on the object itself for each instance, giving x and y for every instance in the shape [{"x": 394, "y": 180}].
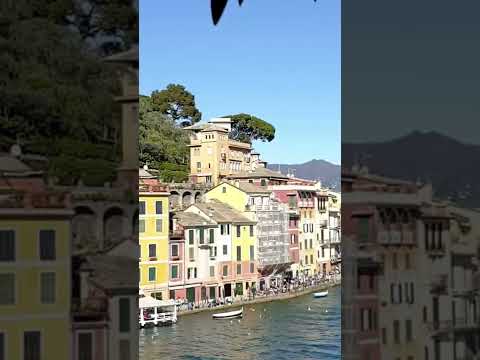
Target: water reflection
[{"x": 301, "y": 328}]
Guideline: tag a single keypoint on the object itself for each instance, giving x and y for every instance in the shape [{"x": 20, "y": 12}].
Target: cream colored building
[{"x": 214, "y": 156}]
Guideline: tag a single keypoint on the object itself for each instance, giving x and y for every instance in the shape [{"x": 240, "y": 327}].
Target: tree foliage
[
  {"x": 55, "y": 90},
  {"x": 247, "y": 128},
  {"x": 163, "y": 144},
  {"x": 177, "y": 103}
]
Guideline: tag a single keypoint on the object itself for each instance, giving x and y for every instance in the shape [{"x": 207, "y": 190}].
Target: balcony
[
  {"x": 456, "y": 325},
  {"x": 306, "y": 204},
  {"x": 439, "y": 285},
  {"x": 437, "y": 251},
  {"x": 323, "y": 224},
  {"x": 396, "y": 238}
]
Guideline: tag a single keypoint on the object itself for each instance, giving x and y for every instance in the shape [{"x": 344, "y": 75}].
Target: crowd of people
[{"x": 279, "y": 287}]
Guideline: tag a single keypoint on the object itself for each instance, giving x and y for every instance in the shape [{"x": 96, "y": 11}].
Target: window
[
  {"x": 199, "y": 166},
  {"x": 239, "y": 269},
  {"x": 191, "y": 254},
  {"x": 202, "y": 235},
  {"x": 158, "y": 207},
  {"x": 252, "y": 252},
  {"x": 212, "y": 271},
  {"x": 211, "y": 238},
  {"x": 251, "y": 230},
  {"x": 239, "y": 289},
  {"x": 152, "y": 274},
  {"x": 311, "y": 225},
  {"x": 225, "y": 270},
  {"x": 159, "y": 225},
  {"x": 213, "y": 251},
  {"x": 47, "y": 288},
  {"x": 225, "y": 249},
  {"x": 174, "y": 250},
  {"x": 394, "y": 261},
  {"x": 306, "y": 244},
  {"x": 212, "y": 292},
  {"x": 311, "y": 259},
  {"x": 31, "y": 345},
  {"x": 323, "y": 252},
  {"x": 263, "y": 182},
  {"x": 228, "y": 229},
  {"x": 384, "y": 336},
  {"x": 311, "y": 244},
  {"x": 300, "y": 246},
  {"x": 408, "y": 330},
  {"x": 7, "y": 289},
  {"x": 141, "y": 207},
  {"x": 363, "y": 229},
  {"x": 190, "y": 237},
  {"x": 224, "y": 189},
  {"x": 85, "y": 346},
  {"x": 239, "y": 228},
  {"x": 425, "y": 317},
  {"x": 141, "y": 226},
  {"x": 252, "y": 268},
  {"x": 222, "y": 229},
  {"x": 306, "y": 259},
  {"x": 47, "y": 245},
  {"x": 174, "y": 273},
  {"x": 239, "y": 253},
  {"x": 7, "y": 245},
  {"x": 152, "y": 250},
  {"x": 396, "y": 331},
  {"x": 407, "y": 261},
  {"x": 124, "y": 347}
]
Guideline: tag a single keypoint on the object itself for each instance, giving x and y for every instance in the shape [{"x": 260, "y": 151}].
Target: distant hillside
[
  {"x": 451, "y": 166},
  {"x": 326, "y": 172}
]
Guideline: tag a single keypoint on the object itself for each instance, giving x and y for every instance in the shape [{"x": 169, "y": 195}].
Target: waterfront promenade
[{"x": 293, "y": 293}]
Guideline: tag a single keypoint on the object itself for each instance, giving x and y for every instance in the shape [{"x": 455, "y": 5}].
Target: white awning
[{"x": 150, "y": 302}]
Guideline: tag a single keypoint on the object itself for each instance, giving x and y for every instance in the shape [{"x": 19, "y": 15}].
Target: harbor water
[{"x": 298, "y": 328}]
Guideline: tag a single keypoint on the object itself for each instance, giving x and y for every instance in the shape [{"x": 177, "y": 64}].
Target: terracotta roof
[
  {"x": 252, "y": 188},
  {"x": 192, "y": 219},
  {"x": 223, "y": 213},
  {"x": 10, "y": 164},
  {"x": 259, "y": 172},
  {"x": 113, "y": 273}
]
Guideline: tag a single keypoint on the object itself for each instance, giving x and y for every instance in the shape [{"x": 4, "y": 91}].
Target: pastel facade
[
  {"x": 408, "y": 257},
  {"x": 271, "y": 220},
  {"x": 35, "y": 277},
  {"x": 213, "y": 156},
  {"x": 237, "y": 258},
  {"x": 153, "y": 237}
]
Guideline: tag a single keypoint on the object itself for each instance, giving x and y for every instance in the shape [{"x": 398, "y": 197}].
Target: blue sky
[{"x": 278, "y": 60}]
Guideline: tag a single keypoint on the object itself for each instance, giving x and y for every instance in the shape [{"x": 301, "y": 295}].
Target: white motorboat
[
  {"x": 320, "y": 294},
  {"x": 229, "y": 315}
]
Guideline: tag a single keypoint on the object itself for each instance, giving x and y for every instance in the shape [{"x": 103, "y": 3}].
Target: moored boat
[
  {"x": 229, "y": 315},
  {"x": 320, "y": 294}
]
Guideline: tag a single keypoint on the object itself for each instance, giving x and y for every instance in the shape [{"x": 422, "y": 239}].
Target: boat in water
[
  {"x": 320, "y": 294},
  {"x": 156, "y": 312},
  {"x": 229, "y": 315}
]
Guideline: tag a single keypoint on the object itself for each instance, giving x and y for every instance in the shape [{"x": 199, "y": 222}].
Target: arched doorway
[
  {"x": 84, "y": 228},
  {"x": 113, "y": 226}
]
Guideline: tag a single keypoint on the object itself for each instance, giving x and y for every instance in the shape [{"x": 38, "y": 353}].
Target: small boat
[
  {"x": 320, "y": 294},
  {"x": 229, "y": 315}
]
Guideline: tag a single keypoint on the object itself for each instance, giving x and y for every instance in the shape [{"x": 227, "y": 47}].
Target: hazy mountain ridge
[
  {"x": 316, "y": 169},
  {"x": 448, "y": 164}
]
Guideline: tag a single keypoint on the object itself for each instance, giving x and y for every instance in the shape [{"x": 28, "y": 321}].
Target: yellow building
[
  {"x": 213, "y": 156},
  {"x": 153, "y": 236},
  {"x": 35, "y": 279}
]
